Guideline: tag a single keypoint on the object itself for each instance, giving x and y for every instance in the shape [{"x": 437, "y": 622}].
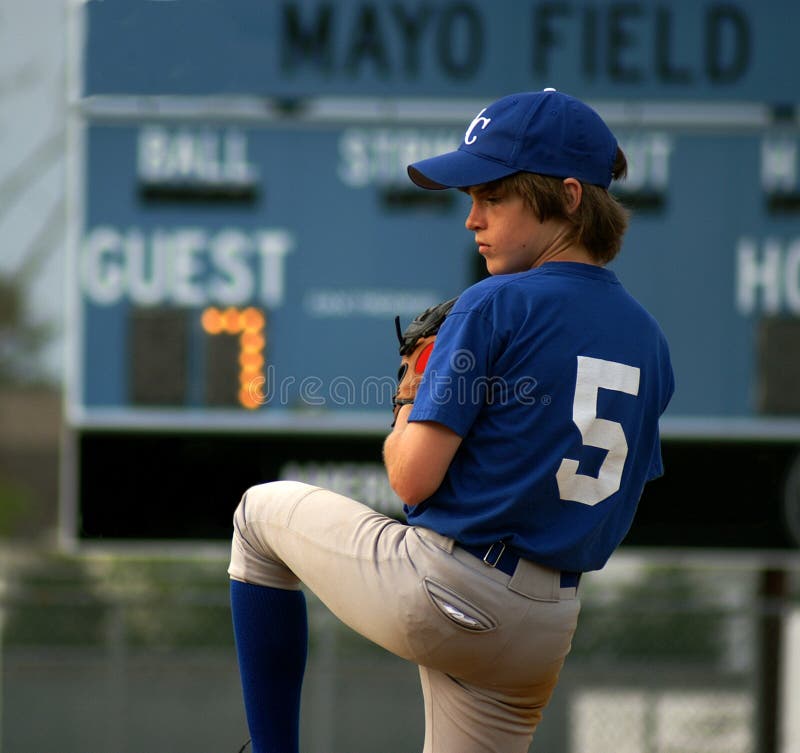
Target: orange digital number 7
[{"x": 249, "y": 324}]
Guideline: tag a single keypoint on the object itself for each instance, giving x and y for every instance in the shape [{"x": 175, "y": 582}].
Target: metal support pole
[{"x": 772, "y": 592}]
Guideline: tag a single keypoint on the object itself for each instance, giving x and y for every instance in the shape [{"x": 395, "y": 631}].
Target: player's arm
[{"x": 417, "y": 455}]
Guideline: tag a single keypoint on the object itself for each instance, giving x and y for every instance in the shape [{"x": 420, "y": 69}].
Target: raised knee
[
  {"x": 259, "y": 500},
  {"x": 262, "y": 513}
]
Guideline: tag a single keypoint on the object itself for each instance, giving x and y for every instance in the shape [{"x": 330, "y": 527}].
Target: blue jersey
[{"x": 555, "y": 378}]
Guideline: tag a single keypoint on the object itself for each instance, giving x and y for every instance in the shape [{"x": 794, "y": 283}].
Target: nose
[{"x": 474, "y": 219}]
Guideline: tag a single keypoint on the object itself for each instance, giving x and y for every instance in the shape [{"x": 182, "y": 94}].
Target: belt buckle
[{"x": 487, "y": 558}]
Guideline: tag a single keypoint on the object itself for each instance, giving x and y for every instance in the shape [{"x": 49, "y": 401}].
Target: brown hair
[{"x": 598, "y": 223}]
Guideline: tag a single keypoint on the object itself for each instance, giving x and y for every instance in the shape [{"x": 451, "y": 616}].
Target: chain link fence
[{"x": 124, "y": 654}]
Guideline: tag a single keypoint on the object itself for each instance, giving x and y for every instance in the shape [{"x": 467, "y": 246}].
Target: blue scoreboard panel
[
  {"x": 310, "y": 239},
  {"x": 291, "y": 226},
  {"x": 244, "y": 233}
]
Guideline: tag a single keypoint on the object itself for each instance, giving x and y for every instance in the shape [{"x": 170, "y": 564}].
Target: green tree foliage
[
  {"x": 21, "y": 340},
  {"x": 143, "y": 603},
  {"x": 664, "y": 614}
]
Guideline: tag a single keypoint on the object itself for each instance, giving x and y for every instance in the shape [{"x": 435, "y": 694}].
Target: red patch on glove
[{"x": 422, "y": 361}]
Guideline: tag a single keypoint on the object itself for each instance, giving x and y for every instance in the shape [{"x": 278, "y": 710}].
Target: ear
[{"x": 574, "y": 193}]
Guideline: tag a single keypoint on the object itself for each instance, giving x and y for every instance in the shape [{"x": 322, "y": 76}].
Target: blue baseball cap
[{"x": 545, "y": 132}]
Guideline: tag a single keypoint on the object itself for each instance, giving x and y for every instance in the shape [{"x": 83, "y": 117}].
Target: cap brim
[{"x": 458, "y": 169}]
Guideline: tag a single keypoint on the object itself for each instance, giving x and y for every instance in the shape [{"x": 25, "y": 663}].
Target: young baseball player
[{"x": 522, "y": 441}]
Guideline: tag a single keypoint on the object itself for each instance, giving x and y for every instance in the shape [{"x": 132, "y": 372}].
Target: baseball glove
[{"x": 416, "y": 344}]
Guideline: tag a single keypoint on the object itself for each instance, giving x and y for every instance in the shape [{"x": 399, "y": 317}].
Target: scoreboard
[
  {"x": 286, "y": 226},
  {"x": 243, "y": 233}
]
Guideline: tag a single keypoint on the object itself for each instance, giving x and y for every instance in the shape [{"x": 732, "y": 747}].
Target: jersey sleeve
[
  {"x": 453, "y": 389},
  {"x": 656, "y": 468},
  {"x": 667, "y": 388}
]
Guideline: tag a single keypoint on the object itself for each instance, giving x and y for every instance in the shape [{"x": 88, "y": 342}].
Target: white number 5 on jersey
[{"x": 593, "y": 374}]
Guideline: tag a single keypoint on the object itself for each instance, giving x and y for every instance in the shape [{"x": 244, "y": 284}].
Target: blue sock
[{"x": 271, "y": 630}]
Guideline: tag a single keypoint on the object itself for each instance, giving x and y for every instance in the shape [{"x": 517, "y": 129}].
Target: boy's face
[{"x": 510, "y": 237}]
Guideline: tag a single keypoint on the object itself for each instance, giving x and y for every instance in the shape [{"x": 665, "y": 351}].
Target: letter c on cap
[{"x": 469, "y": 138}]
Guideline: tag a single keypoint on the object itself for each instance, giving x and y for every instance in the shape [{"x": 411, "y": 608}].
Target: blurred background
[{"x": 201, "y": 205}]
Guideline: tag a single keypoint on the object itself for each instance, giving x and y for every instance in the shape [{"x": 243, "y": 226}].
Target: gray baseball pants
[{"x": 489, "y": 646}]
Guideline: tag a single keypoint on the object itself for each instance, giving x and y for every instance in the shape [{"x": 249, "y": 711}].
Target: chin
[
  {"x": 494, "y": 267},
  {"x": 504, "y": 269}
]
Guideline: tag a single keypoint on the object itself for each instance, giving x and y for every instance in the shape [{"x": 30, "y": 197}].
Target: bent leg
[
  {"x": 352, "y": 558},
  {"x": 406, "y": 589},
  {"x": 347, "y": 554}
]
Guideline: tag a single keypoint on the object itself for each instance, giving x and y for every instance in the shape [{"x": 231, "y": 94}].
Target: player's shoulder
[
  {"x": 482, "y": 291},
  {"x": 553, "y": 279}
]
